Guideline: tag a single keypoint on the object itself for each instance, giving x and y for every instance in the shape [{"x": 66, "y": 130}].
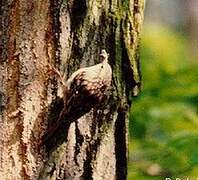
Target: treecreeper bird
[{"x": 86, "y": 88}]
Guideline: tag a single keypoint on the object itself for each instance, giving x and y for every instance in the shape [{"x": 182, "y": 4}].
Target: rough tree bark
[{"x": 68, "y": 35}]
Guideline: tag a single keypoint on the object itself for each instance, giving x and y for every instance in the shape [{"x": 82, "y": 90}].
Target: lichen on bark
[{"x": 93, "y": 26}]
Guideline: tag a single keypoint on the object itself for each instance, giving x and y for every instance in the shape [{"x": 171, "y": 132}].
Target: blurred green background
[{"x": 164, "y": 117}]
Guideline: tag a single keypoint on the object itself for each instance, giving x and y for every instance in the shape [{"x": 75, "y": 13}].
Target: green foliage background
[{"x": 164, "y": 118}]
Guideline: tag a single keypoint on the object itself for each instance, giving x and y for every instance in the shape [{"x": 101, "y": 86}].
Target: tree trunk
[
  {"x": 67, "y": 35},
  {"x": 191, "y": 27}
]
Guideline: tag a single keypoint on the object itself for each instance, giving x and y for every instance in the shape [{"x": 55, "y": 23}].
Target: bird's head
[{"x": 104, "y": 55}]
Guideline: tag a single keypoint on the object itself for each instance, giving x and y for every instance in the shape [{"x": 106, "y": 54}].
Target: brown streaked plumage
[{"x": 85, "y": 88}]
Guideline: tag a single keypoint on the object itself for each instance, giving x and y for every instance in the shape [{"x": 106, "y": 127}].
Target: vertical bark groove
[{"x": 121, "y": 145}]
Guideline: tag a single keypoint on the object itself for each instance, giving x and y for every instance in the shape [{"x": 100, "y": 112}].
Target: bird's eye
[{"x": 102, "y": 66}]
